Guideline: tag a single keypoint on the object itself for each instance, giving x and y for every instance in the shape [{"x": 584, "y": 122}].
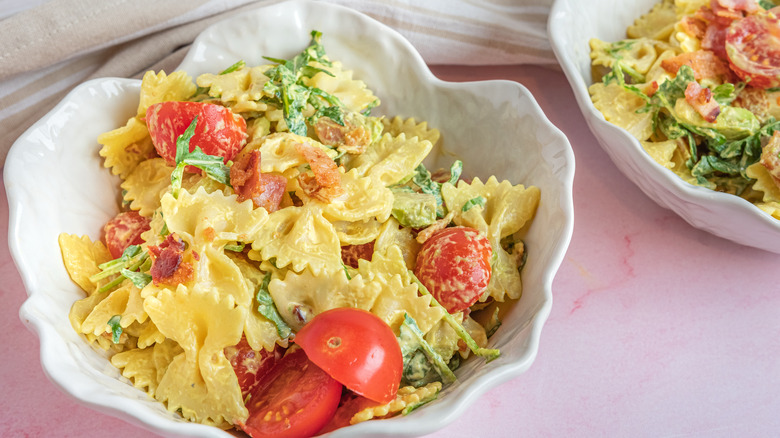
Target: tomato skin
[
  {"x": 454, "y": 264},
  {"x": 123, "y": 230},
  {"x": 753, "y": 48},
  {"x": 357, "y": 348},
  {"x": 219, "y": 131},
  {"x": 251, "y": 366},
  {"x": 295, "y": 399}
]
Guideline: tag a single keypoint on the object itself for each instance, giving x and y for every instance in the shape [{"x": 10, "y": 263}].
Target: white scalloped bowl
[
  {"x": 572, "y": 23},
  {"x": 495, "y": 127}
]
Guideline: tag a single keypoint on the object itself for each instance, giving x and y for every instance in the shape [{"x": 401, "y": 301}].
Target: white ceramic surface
[
  {"x": 56, "y": 183},
  {"x": 571, "y": 25}
]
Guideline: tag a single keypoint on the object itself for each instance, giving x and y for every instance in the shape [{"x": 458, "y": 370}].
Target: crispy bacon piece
[
  {"x": 325, "y": 185},
  {"x": 352, "y": 139},
  {"x": 350, "y": 254},
  {"x": 167, "y": 262},
  {"x": 704, "y": 63},
  {"x": 650, "y": 88},
  {"x": 249, "y": 182},
  {"x": 701, "y": 100},
  {"x": 693, "y": 26}
]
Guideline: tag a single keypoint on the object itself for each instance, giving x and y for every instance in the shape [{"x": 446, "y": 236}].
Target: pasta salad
[
  {"x": 283, "y": 262},
  {"x": 697, "y": 82}
]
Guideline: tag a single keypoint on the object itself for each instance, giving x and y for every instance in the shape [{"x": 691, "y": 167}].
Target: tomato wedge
[
  {"x": 753, "y": 48},
  {"x": 219, "y": 131},
  {"x": 454, "y": 264},
  {"x": 295, "y": 399},
  {"x": 251, "y": 366},
  {"x": 356, "y": 348},
  {"x": 123, "y": 230}
]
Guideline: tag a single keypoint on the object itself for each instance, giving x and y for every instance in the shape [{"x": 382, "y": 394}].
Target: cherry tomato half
[
  {"x": 454, "y": 264},
  {"x": 219, "y": 131},
  {"x": 356, "y": 348},
  {"x": 251, "y": 366},
  {"x": 753, "y": 48},
  {"x": 295, "y": 399},
  {"x": 123, "y": 230}
]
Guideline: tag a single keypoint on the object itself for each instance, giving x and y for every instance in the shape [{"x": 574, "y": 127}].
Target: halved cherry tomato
[
  {"x": 350, "y": 254},
  {"x": 219, "y": 131},
  {"x": 753, "y": 48},
  {"x": 295, "y": 399},
  {"x": 454, "y": 264},
  {"x": 346, "y": 411},
  {"x": 356, "y": 348},
  {"x": 251, "y": 366},
  {"x": 123, "y": 230}
]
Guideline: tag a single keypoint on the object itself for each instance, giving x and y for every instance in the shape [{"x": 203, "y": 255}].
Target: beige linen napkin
[{"x": 51, "y": 47}]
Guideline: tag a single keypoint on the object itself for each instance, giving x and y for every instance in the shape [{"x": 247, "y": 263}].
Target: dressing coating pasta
[{"x": 210, "y": 266}]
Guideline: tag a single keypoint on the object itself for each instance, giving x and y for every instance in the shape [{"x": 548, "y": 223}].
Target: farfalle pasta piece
[
  {"x": 506, "y": 210},
  {"x": 357, "y": 233},
  {"x": 351, "y": 92},
  {"x": 240, "y": 90},
  {"x": 124, "y": 148},
  {"x": 409, "y": 127},
  {"x": 81, "y": 257},
  {"x": 393, "y": 235},
  {"x": 620, "y": 108},
  {"x": 300, "y": 237},
  {"x": 399, "y": 295},
  {"x": 301, "y": 296},
  {"x": 363, "y": 199},
  {"x": 391, "y": 159},
  {"x": 203, "y": 325},
  {"x": 639, "y": 54},
  {"x": 765, "y": 183},
  {"x": 146, "y": 366},
  {"x": 657, "y": 24},
  {"x": 160, "y": 87},
  {"x": 408, "y": 397},
  {"x": 146, "y": 184},
  {"x": 278, "y": 152},
  {"x": 125, "y": 301}
]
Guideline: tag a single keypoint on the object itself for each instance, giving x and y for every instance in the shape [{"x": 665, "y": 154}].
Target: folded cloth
[{"x": 51, "y": 47}]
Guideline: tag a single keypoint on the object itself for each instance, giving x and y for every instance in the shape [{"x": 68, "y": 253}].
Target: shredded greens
[
  {"x": 213, "y": 166},
  {"x": 267, "y": 308},
  {"x": 128, "y": 265},
  {"x": 116, "y": 328}
]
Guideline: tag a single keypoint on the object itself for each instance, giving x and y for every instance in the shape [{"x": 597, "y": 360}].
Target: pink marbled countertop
[{"x": 657, "y": 329}]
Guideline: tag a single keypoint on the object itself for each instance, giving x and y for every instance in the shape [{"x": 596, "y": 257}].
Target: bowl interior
[{"x": 495, "y": 127}]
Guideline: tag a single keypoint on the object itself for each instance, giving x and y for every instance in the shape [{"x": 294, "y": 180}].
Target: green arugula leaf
[
  {"x": 139, "y": 279},
  {"x": 285, "y": 84},
  {"x": 488, "y": 353},
  {"x": 116, "y": 328},
  {"x": 235, "y": 247},
  {"x": 267, "y": 308},
  {"x": 473, "y": 202},
  {"x": 411, "y": 340},
  {"x": 213, "y": 166}
]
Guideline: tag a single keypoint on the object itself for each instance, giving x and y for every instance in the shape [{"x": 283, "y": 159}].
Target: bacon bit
[
  {"x": 249, "y": 182},
  {"x": 715, "y": 40},
  {"x": 440, "y": 224},
  {"x": 704, "y": 63},
  {"x": 350, "y": 254},
  {"x": 326, "y": 183},
  {"x": 209, "y": 234},
  {"x": 167, "y": 266},
  {"x": 701, "y": 100},
  {"x": 352, "y": 139},
  {"x": 693, "y": 26}
]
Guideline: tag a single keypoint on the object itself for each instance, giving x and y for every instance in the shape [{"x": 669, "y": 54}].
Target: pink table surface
[{"x": 657, "y": 329}]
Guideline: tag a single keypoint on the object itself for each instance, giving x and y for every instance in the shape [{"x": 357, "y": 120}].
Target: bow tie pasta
[{"x": 260, "y": 198}]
